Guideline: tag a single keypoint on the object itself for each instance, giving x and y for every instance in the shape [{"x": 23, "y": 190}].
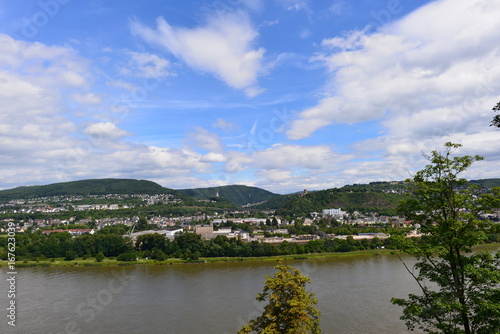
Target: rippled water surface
[{"x": 353, "y": 293}]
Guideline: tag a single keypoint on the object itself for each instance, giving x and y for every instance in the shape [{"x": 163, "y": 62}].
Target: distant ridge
[
  {"x": 238, "y": 194},
  {"x": 486, "y": 183},
  {"x": 87, "y": 187},
  {"x": 379, "y": 197}
]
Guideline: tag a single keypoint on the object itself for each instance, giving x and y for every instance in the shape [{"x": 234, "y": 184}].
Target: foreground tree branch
[{"x": 496, "y": 119}]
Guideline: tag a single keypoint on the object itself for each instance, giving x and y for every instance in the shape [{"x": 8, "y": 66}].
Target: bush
[
  {"x": 99, "y": 257},
  {"x": 159, "y": 255},
  {"x": 70, "y": 255},
  {"x": 127, "y": 257}
]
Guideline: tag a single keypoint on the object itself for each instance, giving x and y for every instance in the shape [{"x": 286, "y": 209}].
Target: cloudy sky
[{"x": 280, "y": 94}]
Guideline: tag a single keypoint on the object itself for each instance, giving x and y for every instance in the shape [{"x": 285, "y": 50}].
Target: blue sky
[{"x": 280, "y": 94}]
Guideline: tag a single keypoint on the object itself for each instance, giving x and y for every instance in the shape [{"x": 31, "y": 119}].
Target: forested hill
[
  {"x": 87, "y": 187},
  {"x": 238, "y": 194},
  {"x": 486, "y": 183},
  {"x": 381, "y": 197}
]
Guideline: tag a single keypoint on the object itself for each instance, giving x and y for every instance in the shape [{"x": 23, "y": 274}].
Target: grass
[{"x": 91, "y": 262}]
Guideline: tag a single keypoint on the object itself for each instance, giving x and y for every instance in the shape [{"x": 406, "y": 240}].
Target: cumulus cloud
[
  {"x": 213, "y": 157},
  {"x": 223, "y": 125},
  {"x": 438, "y": 75},
  {"x": 41, "y": 137},
  {"x": 89, "y": 98},
  {"x": 222, "y": 47},
  {"x": 106, "y": 130},
  {"x": 283, "y": 156},
  {"x": 205, "y": 140},
  {"x": 146, "y": 65}
]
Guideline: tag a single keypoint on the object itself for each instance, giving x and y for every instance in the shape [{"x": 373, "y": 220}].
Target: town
[
  {"x": 173, "y": 224},
  {"x": 250, "y": 225}
]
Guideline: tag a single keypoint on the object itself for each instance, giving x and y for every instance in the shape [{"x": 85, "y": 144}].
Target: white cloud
[
  {"x": 34, "y": 127},
  {"x": 123, "y": 84},
  {"x": 41, "y": 133},
  {"x": 420, "y": 79},
  {"x": 206, "y": 140},
  {"x": 146, "y": 65},
  {"x": 223, "y": 125},
  {"x": 213, "y": 157},
  {"x": 337, "y": 7},
  {"x": 89, "y": 98},
  {"x": 295, "y": 5},
  {"x": 237, "y": 162},
  {"x": 105, "y": 130},
  {"x": 295, "y": 156},
  {"x": 222, "y": 47},
  {"x": 276, "y": 175}
]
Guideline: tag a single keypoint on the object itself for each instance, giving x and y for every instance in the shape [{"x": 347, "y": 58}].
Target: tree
[
  {"x": 151, "y": 241},
  {"x": 460, "y": 288},
  {"x": 99, "y": 257},
  {"x": 142, "y": 224},
  {"x": 496, "y": 119},
  {"x": 290, "y": 308},
  {"x": 128, "y": 256},
  {"x": 70, "y": 255}
]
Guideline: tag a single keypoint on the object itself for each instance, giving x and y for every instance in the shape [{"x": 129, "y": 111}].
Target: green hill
[
  {"x": 87, "y": 187},
  {"x": 381, "y": 197},
  {"x": 486, "y": 183},
  {"x": 238, "y": 194}
]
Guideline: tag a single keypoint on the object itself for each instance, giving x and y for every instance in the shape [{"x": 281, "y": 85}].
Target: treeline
[
  {"x": 192, "y": 246},
  {"x": 34, "y": 246},
  {"x": 111, "y": 243}
]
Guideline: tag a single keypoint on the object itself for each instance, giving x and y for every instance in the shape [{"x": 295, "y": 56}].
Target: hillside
[
  {"x": 87, "y": 187},
  {"x": 238, "y": 194},
  {"x": 486, "y": 183},
  {"x": 275, "y": 202},
  {"x": 381, "y": 197}
]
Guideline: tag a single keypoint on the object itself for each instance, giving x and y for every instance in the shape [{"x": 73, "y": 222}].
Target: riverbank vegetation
[
  {"x": 113, "y": 261},
  {"x": 189, "y": 246}
]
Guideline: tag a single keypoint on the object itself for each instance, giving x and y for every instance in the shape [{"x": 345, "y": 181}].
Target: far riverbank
[{"x": 91, "y": 262}]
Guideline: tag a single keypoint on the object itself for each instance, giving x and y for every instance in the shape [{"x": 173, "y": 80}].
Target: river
[{"x": 353, "y": 296}]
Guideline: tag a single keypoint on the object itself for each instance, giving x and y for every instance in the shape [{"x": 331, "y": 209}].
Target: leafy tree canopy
[
  {"x": 290, "y": 308},
  {"x": 460, "y": 289}
]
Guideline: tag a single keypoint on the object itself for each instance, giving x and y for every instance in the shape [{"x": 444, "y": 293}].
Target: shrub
[
  {"x": 99, "y": 257},
  {"x": 127, "y": 257},
  {"x": 70, "y": 255}
]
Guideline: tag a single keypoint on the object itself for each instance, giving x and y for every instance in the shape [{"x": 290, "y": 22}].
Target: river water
[{"x": 353, "y": 296}]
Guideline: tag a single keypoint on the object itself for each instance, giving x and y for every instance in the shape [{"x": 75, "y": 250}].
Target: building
[
  {"x": 73, "y": 232},
  {"x": 333, "y": 212},
  {"x": 206, "y": 231}
]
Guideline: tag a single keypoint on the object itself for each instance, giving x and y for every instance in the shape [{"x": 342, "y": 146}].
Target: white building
[{"x": 333, "y": 212}]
